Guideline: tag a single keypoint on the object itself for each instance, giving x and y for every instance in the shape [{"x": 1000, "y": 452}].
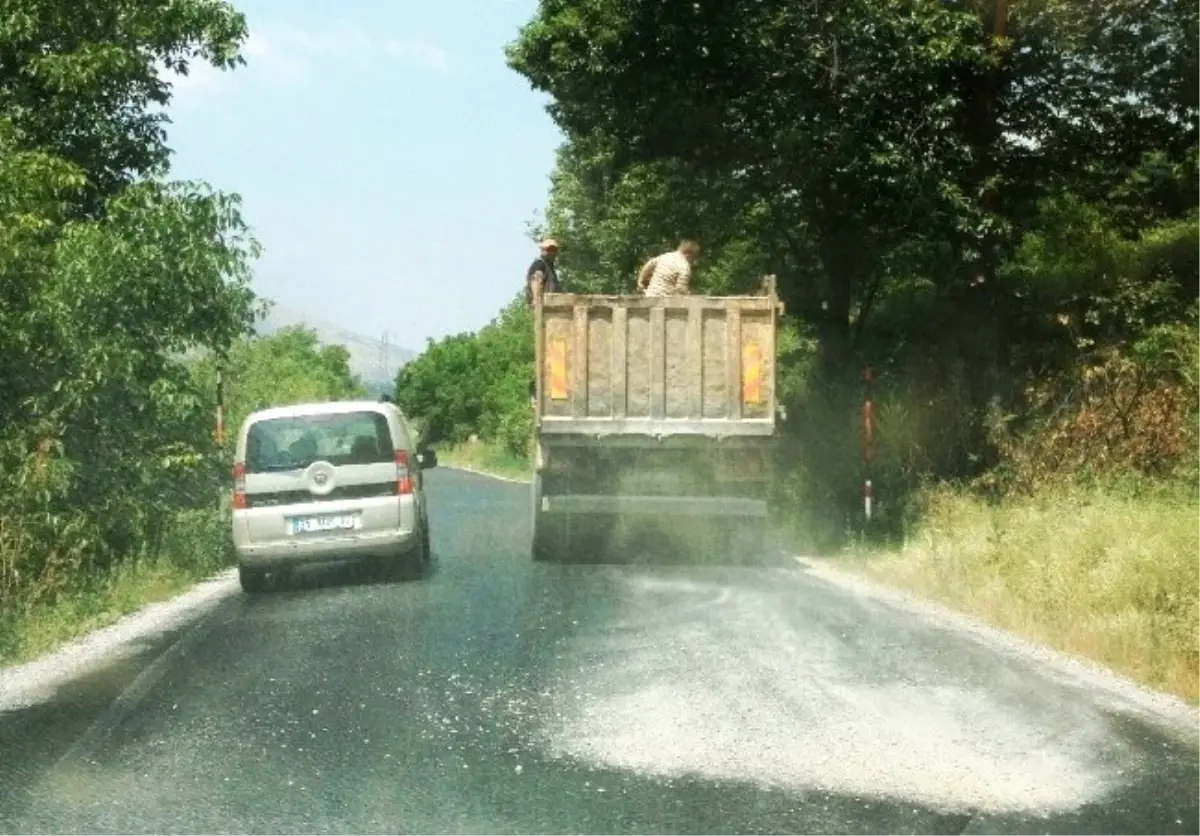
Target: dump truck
[{"x": 654, "y": 413}]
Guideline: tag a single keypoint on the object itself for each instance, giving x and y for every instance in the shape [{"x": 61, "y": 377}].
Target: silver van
[{"x": 328, "y": 482}]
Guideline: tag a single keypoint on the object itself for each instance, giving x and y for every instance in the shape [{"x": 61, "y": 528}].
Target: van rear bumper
[{"x": 301, "y": 549}]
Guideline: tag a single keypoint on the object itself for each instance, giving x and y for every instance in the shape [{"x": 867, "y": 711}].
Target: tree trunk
[{"x": 842, "y": 271}]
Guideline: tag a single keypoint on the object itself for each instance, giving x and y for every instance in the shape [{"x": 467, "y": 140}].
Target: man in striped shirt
[{"x": 670, "y": 273}]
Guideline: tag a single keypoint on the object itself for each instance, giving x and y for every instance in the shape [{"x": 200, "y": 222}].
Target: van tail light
[
  {"x": 239, "y": 485},
  {"x": 404, "y": 480}
]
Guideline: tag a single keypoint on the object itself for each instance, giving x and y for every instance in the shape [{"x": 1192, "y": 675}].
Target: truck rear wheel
[
  {"x": 747, "y": 541},
  {"x": 548, "y": 533},
  {"x": 550, "y": 537}
]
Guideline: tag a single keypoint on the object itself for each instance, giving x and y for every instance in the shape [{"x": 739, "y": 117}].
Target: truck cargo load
[{"x": 652, "y": 410}]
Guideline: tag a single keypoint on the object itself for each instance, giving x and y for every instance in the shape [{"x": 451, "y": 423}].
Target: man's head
[
  {"x": 549, "y": 248},
  {"x": 689, "y": 248}
]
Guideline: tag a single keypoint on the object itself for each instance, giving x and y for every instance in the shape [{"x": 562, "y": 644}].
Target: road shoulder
[
  {"x": 35, "y": 681},
  {"x": 1171, "y": 714}
]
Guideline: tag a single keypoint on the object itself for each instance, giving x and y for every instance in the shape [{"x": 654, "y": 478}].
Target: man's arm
[
  {"x": 647, "y": 271},
  {"x": 535, "y": 276}
]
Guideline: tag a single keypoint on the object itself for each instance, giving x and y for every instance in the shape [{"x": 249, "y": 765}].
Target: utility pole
[
  {"x": 220, "y": 431},
  {"x": 383, "y": 356}
]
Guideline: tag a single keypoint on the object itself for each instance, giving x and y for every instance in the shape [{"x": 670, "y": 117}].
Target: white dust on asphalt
[
  {"x": 757, "y": 690},
  {"x": 35, "y": 682},
  {"x": 1170, "y": 714}
]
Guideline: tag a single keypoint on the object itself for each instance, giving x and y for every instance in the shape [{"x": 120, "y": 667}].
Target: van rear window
[{"x": 277, "y": 444}]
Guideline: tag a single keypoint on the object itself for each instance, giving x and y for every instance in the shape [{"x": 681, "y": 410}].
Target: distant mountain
[{"x": 374, "y": 362}]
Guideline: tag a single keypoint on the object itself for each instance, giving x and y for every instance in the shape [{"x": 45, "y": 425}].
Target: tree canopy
[
  {"x": 113, "y": 280},
  {"x": 84, "y": 80},
  {"x": 991, "y": 204},
  {"x": 474, "y": 383},
  {"x": 288, "y": 366},
  {"x": 853, "y": 143}
]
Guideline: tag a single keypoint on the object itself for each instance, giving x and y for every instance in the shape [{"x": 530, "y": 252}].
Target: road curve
[{"x": 501, "y": 696}]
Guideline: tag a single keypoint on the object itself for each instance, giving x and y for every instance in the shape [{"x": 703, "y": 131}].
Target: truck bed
[{"x": 628, "y": 365}]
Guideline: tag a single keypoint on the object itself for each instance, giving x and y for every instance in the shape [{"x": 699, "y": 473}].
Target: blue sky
[{"x": 388, "y": 160}]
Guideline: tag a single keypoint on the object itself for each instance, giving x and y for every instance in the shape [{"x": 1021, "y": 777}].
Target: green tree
[
  {"x": 840, "y": 150},
  {"x": 444, "y": 389},
  {"x": 506, "y": 355},
  {"x": 84, "y": 81},
  {"x": 611, "y": 220},
  {"x": 109, "y": 276},
  {"x": 938, "y": 185},
  {"x": 881, "y": 138},
  {"x": 474, "y": 384},
  {"x": 287, "y": 367},
  {"x": 97, "y": 311}
]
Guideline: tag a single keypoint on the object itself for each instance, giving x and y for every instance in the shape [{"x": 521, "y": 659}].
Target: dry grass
[{"x": 1107, "y": 575}]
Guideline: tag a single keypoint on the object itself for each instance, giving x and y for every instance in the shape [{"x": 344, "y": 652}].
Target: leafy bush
[
  {"x": 113, "y": 280},
  {"x": 475, "y": 384},
  {"x": 286, "y": 367}
]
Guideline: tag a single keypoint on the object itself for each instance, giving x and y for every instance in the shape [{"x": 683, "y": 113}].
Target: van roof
[{"x": 328, "y": 408}]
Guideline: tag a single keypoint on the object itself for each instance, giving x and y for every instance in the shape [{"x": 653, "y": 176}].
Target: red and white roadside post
[
  {"x": 219, "y": 433},
  {"x": 868, "y": 436}
]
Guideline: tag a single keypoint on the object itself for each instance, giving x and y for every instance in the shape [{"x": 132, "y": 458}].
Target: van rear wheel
[
  {"x": 412, "y": 563},
  {"x": 253, "y": 581},
  {"x": 424, "y": 554}
]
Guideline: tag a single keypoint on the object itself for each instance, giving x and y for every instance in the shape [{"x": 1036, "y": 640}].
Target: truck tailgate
[{"x": 616, "y": 365}]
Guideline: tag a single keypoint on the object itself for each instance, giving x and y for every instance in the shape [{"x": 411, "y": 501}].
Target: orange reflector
[
  {"x": 752, "y": 373},
  {"x": 556, "y": 369},
  {"x": 239, "y": 486}
]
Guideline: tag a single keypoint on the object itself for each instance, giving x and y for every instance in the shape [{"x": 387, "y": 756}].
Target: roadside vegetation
[
  {"x": 119, "y": 288},
  {"x": 482, "y": 457},
  {"x": 992, "y": 206}
]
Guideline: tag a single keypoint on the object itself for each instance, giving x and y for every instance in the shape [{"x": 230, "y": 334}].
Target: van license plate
[{"x": 341, "y": 522}]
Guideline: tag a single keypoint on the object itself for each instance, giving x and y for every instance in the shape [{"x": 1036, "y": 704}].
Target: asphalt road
[{"x": 501, "y": 696}]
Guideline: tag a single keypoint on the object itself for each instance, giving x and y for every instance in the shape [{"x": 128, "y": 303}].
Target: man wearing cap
[{"x": 542, "y": 270}]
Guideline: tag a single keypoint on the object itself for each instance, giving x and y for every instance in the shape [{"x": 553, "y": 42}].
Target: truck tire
[
  {"x": 550, "y": 540},
  {"x": 546, "y": 545},
  {"x": 747, "y": 541}
]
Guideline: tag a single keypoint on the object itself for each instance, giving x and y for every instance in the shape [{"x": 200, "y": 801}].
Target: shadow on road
[
  {"x": 678, "y": 542},
  {"x": 347, "y": 574},
  {"x": 34, "y": 737}
]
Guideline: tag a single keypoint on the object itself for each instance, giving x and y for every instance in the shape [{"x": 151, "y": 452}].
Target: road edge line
[
  {"x": 127, "y": 702},
  {"x": 34, "y": 681},
  {"x": 484, "y": 474}
]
